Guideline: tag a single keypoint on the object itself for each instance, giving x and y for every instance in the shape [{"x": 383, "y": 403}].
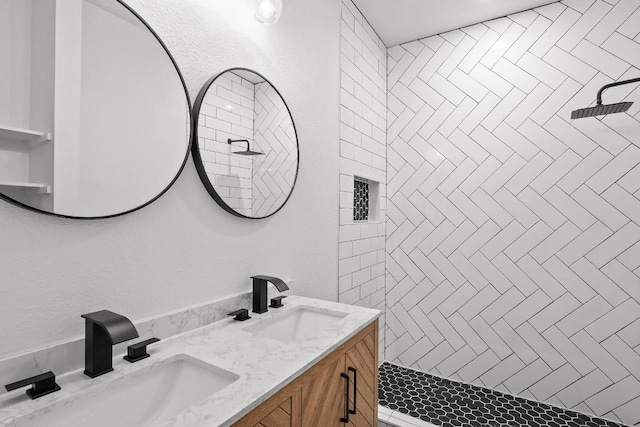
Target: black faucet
[
  {"x": 103, "y": 329},
  {"x": 260, "y": 291}
]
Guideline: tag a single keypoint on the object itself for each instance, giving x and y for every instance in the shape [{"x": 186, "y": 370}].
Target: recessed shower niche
[
  {"x": 246, "y": 146},
  {"x": 366, "y": 206}
]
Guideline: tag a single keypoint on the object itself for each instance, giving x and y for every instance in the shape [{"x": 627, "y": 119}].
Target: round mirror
[
  {"x": 94, "y": 113},
  {"x": 246, "y": 146}
]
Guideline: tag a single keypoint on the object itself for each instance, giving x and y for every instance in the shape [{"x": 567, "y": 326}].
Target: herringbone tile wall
[
  {"x": 513, "y": 233},
  {"x": 275, "y": 172},
  {"x": 363, "y": 141}
]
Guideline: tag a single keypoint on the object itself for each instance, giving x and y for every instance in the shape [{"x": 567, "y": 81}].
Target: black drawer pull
[
  {"x": 346, "y": 398},
  {"x": 355, "y": 389}
]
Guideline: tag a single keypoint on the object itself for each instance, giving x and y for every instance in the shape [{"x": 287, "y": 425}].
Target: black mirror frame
[
  {"x": 184, "y": 161},
  {"x": 195, "y": 148}
]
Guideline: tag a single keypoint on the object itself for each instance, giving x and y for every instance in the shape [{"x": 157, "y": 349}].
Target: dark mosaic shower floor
[{"x": 448, "y": 403}]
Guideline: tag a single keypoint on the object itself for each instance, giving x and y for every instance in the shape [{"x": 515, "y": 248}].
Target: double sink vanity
[
  {"x": 310, "y": 362},
  {"x": 303, "y": 362}
]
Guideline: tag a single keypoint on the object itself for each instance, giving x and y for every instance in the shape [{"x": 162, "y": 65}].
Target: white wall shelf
[
  {"x": 39, "y": 188},
  {"x": 27, "y": 136}
]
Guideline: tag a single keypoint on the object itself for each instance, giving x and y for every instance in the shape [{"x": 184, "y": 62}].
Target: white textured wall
[
  {"x": 184, "y": 248},
  {"x": 363, "y": 98},
  {"x": 514, "y": 233}
]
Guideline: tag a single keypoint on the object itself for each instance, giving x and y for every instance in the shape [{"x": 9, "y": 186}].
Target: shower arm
[
  {"x": 229, "y": 141},
  {"x": 605, "y": 87}
]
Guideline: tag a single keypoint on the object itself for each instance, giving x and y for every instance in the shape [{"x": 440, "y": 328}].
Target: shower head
[
  {"x": 600, "y": 109},
  {"x": 246, "y": 152}
]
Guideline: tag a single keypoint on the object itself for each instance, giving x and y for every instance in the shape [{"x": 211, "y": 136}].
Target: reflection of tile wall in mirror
[
  {"x": 227, "y": 112},
  {"x": 275, "y": 172}
]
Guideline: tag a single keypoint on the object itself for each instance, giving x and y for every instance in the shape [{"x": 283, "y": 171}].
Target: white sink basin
[
  {"x": 140, "y": 399},
  {"x": 299, "y": 324}
]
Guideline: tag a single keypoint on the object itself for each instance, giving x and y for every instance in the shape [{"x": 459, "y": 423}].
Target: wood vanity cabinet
[{"x": 318, "y": 397}]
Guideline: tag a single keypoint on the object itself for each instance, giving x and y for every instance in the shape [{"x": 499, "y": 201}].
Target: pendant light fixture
[{"x": 269, "y": 11}]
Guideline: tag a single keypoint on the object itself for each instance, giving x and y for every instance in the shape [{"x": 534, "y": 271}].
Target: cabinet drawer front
[
  {"x": 282, "y": 410},
  {"x": 323, "y": 399},
  {"x": 280, "y": 417}
]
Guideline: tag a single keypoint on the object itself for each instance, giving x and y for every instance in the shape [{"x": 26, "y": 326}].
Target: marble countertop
[{"x": 263, "y": 366}]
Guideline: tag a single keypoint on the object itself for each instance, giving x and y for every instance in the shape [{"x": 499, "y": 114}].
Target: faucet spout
[
  {"x": 260, "y": 291},
  {"x": 103, "y": 329}
]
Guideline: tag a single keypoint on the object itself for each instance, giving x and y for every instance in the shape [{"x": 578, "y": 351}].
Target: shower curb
[{"x": 390, "y": 418}]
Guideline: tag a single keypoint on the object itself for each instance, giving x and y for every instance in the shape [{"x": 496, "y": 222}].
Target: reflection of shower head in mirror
[{"x": 248, "y": 151}]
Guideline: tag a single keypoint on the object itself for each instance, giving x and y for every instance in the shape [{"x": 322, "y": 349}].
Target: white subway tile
[
  {"x": 488, "y": 270},
  {"x": 620, "y": 241},
  {"x": 545, "y": 281},
  {"x": 479, "y": 239},
  {"x": 515, "y": 75},
  {"x": 507, "y": 38},
  {"x": 486, "y": 42},
  {"x": 584, "y": 25},
  {"x": 482, "y": 111},
  {"x": 530, "y": 171},
  {"x": 515, "y": 207},
  {"x": 491, "y": 80},
  {"x": 480, "y": 175},
  {"x": 555, "y": 242},
  {"x": 528, "y": 38},
  {"x": 608, "y": 64},
  {"x": 528, "y": 105},
  {"x": 631, "y": 27},
  {"x": 554, "y": 382},
  {"x": 570, "y": 65},
  {"x": 468, "y": 85},
  {"x": 543, "y": 209},
  {"x": 442, "y": 53},
  {"x": 571, "y": 209},
  {"x": 491, "y": 144},
  {"x": 459, "y": 53},
  {"x": 624, "y": 202},
  {"x": 615, "y": 169},
  {"x": 599, "y": 282},
  {"x": 521, "y": 145},
  {"x": 570, "y": 136},
  {"x": 555, "y": 105},
  {"x": 446, "y": 89},
  {"x": 584, "y": 388}
]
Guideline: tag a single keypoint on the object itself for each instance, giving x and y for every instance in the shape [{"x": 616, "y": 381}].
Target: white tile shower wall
[
  {"x": 363, "y": 98},
  {"x": 274, "y": 134},
  {"x": 513, "y": 233},
  {"x": 228, "y": 113}
]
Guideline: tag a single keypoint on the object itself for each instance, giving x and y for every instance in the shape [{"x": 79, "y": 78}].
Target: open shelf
[
  {"x": 39, "y": 188},
  {"x": 23, "y": 135}
]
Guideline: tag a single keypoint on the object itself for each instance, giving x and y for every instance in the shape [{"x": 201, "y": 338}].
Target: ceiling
[{"x": 400, "y": 21}]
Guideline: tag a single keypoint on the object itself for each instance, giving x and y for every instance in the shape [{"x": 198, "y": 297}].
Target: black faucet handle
[
  {"x": 276, "y": 302},
  {"x": 241, "y": 314},
  {"x": 138, "y": 351},
  {"x": 43, "y": 384}
]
